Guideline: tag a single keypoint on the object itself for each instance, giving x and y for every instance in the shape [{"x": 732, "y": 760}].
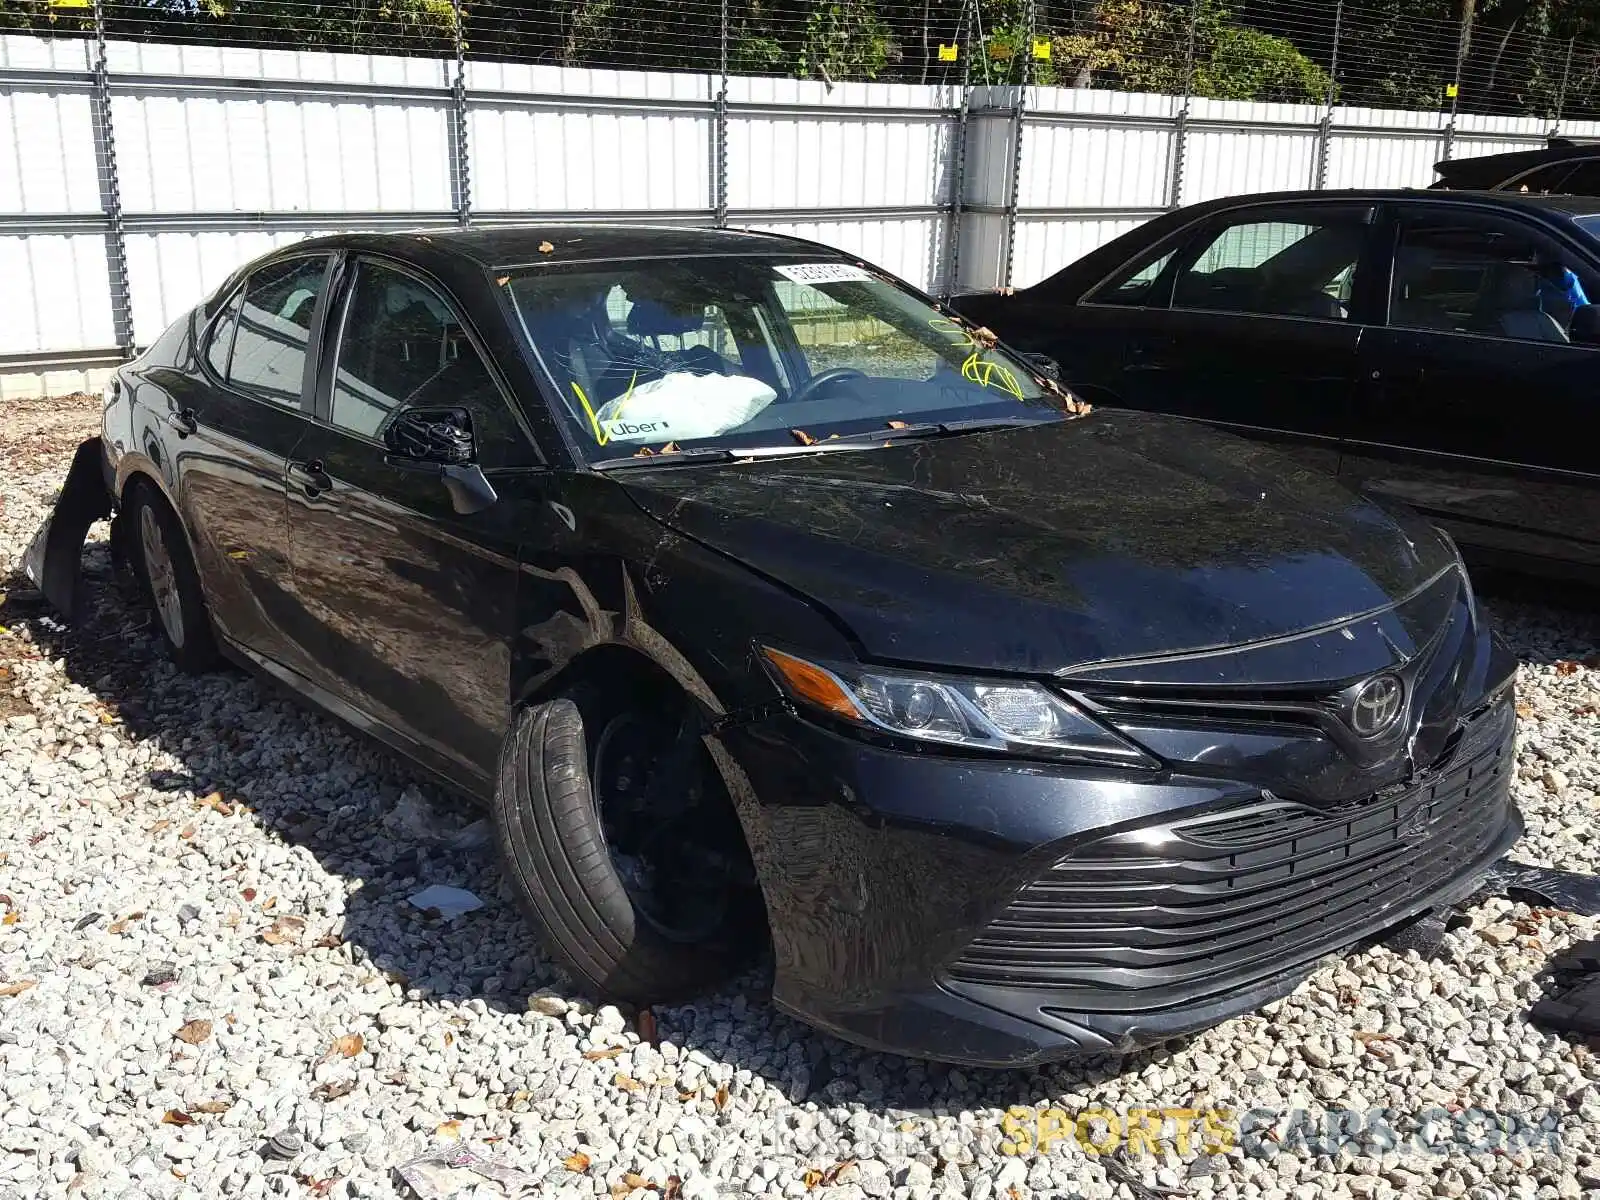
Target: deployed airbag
[{"x": 682, "y": 406}]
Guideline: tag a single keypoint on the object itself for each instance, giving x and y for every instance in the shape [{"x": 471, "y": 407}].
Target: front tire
[
  {"x": 170, "y": 582},
  {"x": 581, "y": 888}
]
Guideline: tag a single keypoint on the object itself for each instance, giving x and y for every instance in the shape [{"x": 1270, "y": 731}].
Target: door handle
[
  {"x": 311, "y": 477},
  {"x": 184, "y": 422}
]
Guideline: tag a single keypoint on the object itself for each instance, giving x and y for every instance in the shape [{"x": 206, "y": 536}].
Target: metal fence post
[
  {"x": 111, "y": 192},
  {"x": 1180, "y": 132},
  {"x": 1463, "y": 41},
  {"x": 719, "y": 134},
  {"x": 1325, "y": 129},
  {"x": 461, "y": 177},
  {"x": 958, "y": 183},
  {"x": 1018, "y": 116}
]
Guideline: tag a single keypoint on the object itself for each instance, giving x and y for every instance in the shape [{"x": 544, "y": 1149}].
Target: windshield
[{"x": 755, "y": 353}]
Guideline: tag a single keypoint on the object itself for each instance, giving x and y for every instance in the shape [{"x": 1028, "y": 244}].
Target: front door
[
  {"x": 410, "y": 603},
  {"x": 1254, "y": 327},
  {"x": 233, "y": 426},
  {"x": 1478, "y": 402}
]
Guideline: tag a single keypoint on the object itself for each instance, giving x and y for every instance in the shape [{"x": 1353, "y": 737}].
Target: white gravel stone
[{"x": 468, "y": 1031}]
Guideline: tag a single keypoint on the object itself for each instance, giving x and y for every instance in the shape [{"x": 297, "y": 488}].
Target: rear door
[
  {"x": 1253, "y": 325},
  {"x": 233, "y": 433},
  {"x": 411, "y": 604},
  {"x": 1478, "y": 404}
]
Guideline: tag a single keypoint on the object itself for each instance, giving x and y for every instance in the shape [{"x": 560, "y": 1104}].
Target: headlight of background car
[{"x": 1000, "y": 715}]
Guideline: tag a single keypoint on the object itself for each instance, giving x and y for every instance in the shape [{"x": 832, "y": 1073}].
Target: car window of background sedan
[
  {"x": 274, "y": 328},
  {"x": 403, "y": 347},
  {"x": 1466, "y": 277},
  {"x": 1276, "y": 268}
]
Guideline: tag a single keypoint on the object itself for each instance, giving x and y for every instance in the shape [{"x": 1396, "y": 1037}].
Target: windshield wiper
[
  {"x": 925, "y": 429},
  {"x": 696, "y": 454}
]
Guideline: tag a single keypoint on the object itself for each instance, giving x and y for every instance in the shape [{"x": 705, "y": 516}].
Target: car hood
[{"x": 1042, "y": 548}]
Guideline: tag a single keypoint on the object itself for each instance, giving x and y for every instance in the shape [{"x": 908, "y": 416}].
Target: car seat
[{"x": 1514, "y": 311}]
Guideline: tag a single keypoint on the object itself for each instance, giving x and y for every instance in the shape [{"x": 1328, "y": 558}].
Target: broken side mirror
[
  {"x": 440, "y": 442},
  {"x": 1585, "y": 328}
]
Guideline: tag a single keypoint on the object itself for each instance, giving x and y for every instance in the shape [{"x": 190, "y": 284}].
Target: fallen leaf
[
  {"x": 670, "y": 448},
  {"x": 1013, "y": 1192},
  {"x": 284, "y": 929},
  {"x": 646, "y": 1025},
  {"x": 985, "y": 337},
  {"x": 502, "y": 280},
  {"x": 10, "y": 918},
  {"x": 546, "y": 248},
  {"x": 187, "y": 833},
  {"x": 801, "y": 436},
  {"x": 644, "y": 452},
  {"x": 449, "y": 1038},
  {"x": 450, "y": 1131},
  {"x": 635, "y": 1180},
  {"x": 231, "y": 1019},
  {"x": 249, "y": 894},
  {"x": 608, "y": 1052},
  {"x": 38, "y": 837},
  {"x": 268, "y": 903},
  {"x": 332, "y": 1091},
  {"x": 217, "y": 804},
  {"x": 328, "y": 941},
  {"x": 179, "y": 1175},
  {"x": 348, "y": 1046},
  {"x": 831, "y": 1175},
  {"x": 627, "y": 1083},
  {"x": 159, "y": 826},
  {"x": 195, "y": 1032},
  {"x": 17, "y": 988},
  {"x": 811, "y": 1178},
  {"x": 722, "y": 1097},
  {"x": 1565, "y": 666},
  {"x": 899, "y": 425},
  {"x": 577, "y": 1162},
  {"x": 213, "y": 1106},
  {"x": 176, "y": 1116},
  {"x": 673, "y": 1190},
  {"x": 319, "y": 1187},
  {"x": 1366, "y": 1038}
]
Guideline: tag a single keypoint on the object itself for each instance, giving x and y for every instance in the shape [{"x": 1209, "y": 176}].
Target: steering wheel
[{"x": 823, "y": 379}]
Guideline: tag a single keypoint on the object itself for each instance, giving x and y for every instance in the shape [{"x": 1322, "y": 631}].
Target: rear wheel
[
  {"x": 170, "y": 582},
  {"x": 623, "y": 846}
]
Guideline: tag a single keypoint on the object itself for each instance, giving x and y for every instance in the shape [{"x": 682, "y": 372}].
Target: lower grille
[{"x": 1161, "y": 914}]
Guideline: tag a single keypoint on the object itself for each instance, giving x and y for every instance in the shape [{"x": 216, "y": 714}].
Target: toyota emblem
[{"x": 1377, "y": 705}]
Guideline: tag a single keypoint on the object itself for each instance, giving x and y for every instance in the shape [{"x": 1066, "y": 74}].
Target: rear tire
[
  {"x": 170, "y": 582},
  {"x": 553, "y": 840}
]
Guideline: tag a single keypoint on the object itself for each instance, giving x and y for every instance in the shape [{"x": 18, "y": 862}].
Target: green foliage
[
  {"x": 1246, "y": 64},
  {"x": 844, "y": 39}
]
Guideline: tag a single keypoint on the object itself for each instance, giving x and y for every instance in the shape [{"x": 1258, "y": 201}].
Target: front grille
[{"x": 1161, "y": 914}]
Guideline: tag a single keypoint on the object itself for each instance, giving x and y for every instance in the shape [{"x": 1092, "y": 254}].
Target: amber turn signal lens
[{"x": 812, "y": 684}]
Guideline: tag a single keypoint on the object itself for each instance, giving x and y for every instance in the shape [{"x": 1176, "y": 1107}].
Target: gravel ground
[{"x": 205, "y": 943}]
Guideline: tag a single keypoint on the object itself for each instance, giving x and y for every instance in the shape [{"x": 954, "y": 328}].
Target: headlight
[{"x": 984, "y": 714}]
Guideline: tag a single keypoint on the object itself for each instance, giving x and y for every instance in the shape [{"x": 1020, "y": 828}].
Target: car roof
[
  {"x": 515, "y": 245},
  {"x": 1576, "y": 206}
]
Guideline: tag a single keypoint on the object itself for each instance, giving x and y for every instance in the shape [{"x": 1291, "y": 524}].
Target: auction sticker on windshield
[{"x": 823, "y": 272}]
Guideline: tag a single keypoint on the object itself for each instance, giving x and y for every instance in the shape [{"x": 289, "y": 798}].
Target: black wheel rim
[{"x": 660, "y": 830}]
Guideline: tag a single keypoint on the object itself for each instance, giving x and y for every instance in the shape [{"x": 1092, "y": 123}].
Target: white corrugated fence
[{"x": 126, "y": 196}]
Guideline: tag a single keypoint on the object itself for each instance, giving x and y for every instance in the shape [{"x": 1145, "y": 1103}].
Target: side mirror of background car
[
  {"x": 439, "y": 442},
  {"x": 1045, "y": 365},
  {"x": 1585, "y": 329}
]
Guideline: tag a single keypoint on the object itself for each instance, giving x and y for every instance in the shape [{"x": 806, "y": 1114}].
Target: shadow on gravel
[
  {"x": 1545, "y": 621},
  {"x": 318, "y": 785}
]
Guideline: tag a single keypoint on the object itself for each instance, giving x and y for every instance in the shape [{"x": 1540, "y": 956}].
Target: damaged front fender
[{"x": 53, "y": 559}]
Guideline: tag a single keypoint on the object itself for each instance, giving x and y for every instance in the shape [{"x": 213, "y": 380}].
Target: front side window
[
  {"x": 269, "y": 349},
  {"x": 1136, "y": 289},
  {"x": 1280, "y": 268},
  {"x": 219, "y": 347},
  {"x": 403, "y": 347},
  {"x": 754, "y": 352},
  {"x": 1469, "y": 277}
]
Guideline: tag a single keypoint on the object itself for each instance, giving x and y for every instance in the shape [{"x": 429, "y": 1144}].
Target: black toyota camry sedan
[{"x": 773, "y": 608}]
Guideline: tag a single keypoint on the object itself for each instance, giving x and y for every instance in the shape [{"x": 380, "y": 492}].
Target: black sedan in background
[
  {"x": 1438, "y": 348},
  {"x": 769, "y": 607}
]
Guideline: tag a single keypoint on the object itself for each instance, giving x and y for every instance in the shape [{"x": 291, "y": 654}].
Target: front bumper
[{"x": 998, "y": 913}]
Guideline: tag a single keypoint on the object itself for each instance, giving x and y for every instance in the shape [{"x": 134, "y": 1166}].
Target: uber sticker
[
  {"x": 823, "y": 272},
  {"x": 621, "y": 430}
]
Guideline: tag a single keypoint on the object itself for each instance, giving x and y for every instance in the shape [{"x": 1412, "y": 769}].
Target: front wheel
[
  {"x": 623, "y": 847},
  {"x": 170, "y": 582}
]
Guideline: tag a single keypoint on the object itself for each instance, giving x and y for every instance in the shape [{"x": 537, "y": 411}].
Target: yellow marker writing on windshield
[
  {"x": 600, "y": 435},
  {"x": 984, "y": 373}
]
